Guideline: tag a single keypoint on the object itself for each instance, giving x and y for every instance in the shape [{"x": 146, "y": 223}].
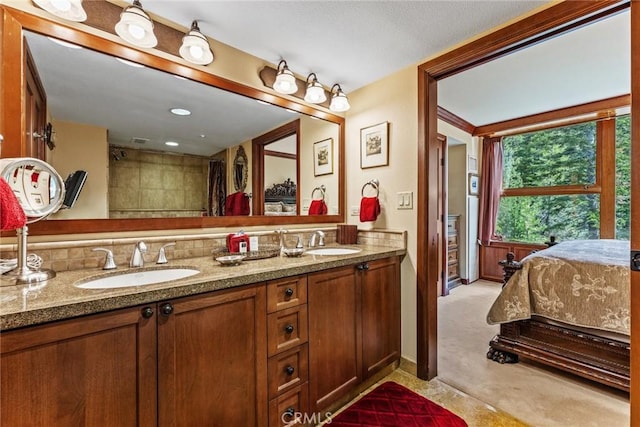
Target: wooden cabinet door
[
  {"x": 335, "y": 350},
  {"x": 98, "y": 370},
  {"x": 212, "y": 356},
  {"x": 380, "y": 314}
]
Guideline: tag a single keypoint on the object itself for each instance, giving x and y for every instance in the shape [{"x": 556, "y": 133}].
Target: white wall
[
  {"x": 76, "y": 149},
  {"x": 393, "y": 99}
]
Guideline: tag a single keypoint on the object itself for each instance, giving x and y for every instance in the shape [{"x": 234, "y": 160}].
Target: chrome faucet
[
  {"x": 109, "y": 263},
  {"x": 281, "y": 232},
  {"x": 312, "y": 240},
  {"x": 137, "y": 258},
  {"x": 162, "y": 257}
]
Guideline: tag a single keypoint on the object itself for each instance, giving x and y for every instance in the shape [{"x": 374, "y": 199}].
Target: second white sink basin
[
  {"x": 333, "y": 251},
  {"x": 138, "y": 278}
]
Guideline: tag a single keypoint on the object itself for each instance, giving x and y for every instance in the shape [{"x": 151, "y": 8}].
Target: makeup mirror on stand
[{"x": 40, "y": 191}]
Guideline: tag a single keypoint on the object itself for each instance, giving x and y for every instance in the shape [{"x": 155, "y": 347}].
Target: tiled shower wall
[{"x": 149, "y": 184}]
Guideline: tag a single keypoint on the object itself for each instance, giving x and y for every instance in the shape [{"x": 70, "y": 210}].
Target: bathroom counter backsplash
[{"x": 60, "y": 298}]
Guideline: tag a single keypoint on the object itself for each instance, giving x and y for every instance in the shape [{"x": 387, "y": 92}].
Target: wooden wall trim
[
  {"x": 635, "y": 211},
  {"x": 555, "y": 115},
  {"x": 448, "y": 117},
  {"x": 550, "y": 22}
]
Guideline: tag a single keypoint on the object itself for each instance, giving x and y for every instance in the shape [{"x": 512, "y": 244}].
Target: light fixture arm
[
  {"x": 282, "y": 65},
  {"x": 314, "y": 80},
  {"x": 339, "y": 89}
]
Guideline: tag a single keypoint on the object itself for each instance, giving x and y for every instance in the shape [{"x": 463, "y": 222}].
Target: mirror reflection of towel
[
  {"x": 369, "y": 209},
  {"x": 11, "y": 213},
  {"x": 318, "y": 207},
  {"x": 237, "y": 204}
]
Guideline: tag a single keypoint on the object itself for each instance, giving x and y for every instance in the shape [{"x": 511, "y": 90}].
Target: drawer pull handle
[
  {"x": 147, "y": 312},
  {"x": 289, "y": 370},
  {"x": 289, "y": 328},
  {"x": 288, "y": 292},
  {"x": 289, "y": 412}
]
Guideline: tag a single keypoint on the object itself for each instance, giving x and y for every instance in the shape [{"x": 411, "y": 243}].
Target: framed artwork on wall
[
  {"x": 473, "y": 164},
  {"x": 474, "y": 184},
  {"x": 323, "y": 157},
  {"x": 374, "y": 146}
]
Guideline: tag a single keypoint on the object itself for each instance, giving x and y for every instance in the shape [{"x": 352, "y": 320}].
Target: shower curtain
[{"x": 217, "y": 187}]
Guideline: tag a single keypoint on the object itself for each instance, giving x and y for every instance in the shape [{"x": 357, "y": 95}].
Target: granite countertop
[{"x": 59, "y": 298}]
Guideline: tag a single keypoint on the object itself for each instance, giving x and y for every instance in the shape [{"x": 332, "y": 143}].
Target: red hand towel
[
  {"x": 11, "y": 213},
  {"x": 318, "y": 207},
  {"x": 369, "y": 209},
  {"x": 237, "y": 204}
]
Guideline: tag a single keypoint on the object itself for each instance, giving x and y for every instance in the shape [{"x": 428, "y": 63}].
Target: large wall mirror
[{"x": 149, "y": 168}]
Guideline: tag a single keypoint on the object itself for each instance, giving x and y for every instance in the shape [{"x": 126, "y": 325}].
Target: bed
[
  {"x": 280, "y": 199},
  {"x": 568, "y": 306}
]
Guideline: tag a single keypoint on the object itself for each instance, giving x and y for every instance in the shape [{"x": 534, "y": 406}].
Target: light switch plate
[
  {"x": 405, "y": 200},
  {"x": 355, "y": 211}
]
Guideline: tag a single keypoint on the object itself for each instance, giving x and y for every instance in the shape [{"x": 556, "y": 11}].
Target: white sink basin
[
  {"x": 333, "y": 251},
  {"x": 137, "y": 278}
]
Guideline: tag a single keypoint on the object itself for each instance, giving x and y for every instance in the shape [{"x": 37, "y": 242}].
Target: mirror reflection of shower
[{"x": 118, "y": 154}]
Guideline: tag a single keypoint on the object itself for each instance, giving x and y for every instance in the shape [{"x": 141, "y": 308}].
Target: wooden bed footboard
[{"x": 597, "y": 358}]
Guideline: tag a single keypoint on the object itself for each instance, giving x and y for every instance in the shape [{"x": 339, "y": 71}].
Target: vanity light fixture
[
  {"x": 71, "y": 10},
  {"x": 315, "y": 92},
  {"x": 136, "y": 27},
  {"x": 339, "y": 101},
  {"x": 195, "y": 47},
  {"x": 180, "y": 112},
  {"x": 285, "y": 81}
]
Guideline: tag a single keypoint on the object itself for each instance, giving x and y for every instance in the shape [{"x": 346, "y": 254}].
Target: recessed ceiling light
[
  {"x": 64, "y": 43},
  {"x": 203, "y": 136},
  {"x": 171, "y": 143},
  {"x": 180, "y": 112},
  {"x": 130, "y": 63}
]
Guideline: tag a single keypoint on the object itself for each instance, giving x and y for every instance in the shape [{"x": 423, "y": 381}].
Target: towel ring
[
  {"x": 375, "y": 184},
  {"x": 322, "y": 189}
]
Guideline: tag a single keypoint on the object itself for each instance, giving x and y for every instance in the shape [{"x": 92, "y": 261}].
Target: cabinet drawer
[
  {"x": 288, "y": 369},
  {"x": 290, "y": 407},
  {"x": 286, "y": 329},
  {"x": 452, "y": 256},
  {"x": 286, "y": 293},
  {"x": 453, "y": 271},
  {"x": 452, "y": 241},
  {"x": 452, "y": 225}
]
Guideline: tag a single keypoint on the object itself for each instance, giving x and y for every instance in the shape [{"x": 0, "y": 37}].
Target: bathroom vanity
[{"x": 249, "y": 345}]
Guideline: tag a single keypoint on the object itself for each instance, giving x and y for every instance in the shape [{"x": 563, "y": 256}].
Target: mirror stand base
[{"x": 25, "y": 274}]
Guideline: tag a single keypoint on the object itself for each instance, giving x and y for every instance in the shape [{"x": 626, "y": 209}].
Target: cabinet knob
[
  {"x": 289, "y": 370},
  {"x": 289, "y": 328},
  {"x": 363, "y": 267},
  {"x": 147, "y": 312},
  {"x": 289, "y": 412},
  {"x": 288, "y": 292},
  {"x": 166, "y": 309}
]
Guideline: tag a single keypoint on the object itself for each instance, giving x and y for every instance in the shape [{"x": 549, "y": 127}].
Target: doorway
[{"x": 550, "y": 22}]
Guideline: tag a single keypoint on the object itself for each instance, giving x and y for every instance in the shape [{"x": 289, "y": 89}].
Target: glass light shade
[
  {"x": 339, "y": 102},
  {"x": 195, "y": 48},
  {"x": 315, "y": 93},
  {"x": 136, "y": 27},
  {"x": 285, "y": 82},
  {"x": 71, "y": 10}
]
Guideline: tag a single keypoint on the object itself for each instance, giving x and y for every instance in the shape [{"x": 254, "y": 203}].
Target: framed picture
[
  {"x": 323, "y": 157},
  {"x": 374, "y": 146},
  {"x": 474, "y": 184},
  {"x": 473, "y": 164}
]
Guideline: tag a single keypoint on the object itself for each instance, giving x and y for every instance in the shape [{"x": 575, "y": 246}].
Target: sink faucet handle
[
  {"x": 109, "y": 263},
  {"x": 321, "y": 238},
  {"x": 162, "y": 257}
]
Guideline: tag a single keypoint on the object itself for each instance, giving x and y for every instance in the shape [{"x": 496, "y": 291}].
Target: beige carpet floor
[{"x": 539, "y": 396}]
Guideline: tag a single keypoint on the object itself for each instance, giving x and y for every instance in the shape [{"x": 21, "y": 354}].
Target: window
[
  {"x": 551, "y": 184},
  {"x": 623, "y": 177}
]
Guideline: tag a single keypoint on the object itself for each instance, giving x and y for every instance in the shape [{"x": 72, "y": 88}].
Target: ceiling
[{"x": 355, "y": 43}]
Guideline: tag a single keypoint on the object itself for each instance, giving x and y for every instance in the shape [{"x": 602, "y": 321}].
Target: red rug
[{"x": 393, "y": 405}]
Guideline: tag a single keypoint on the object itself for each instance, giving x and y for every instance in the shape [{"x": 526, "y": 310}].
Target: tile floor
[{"x": 475, "y": 412}]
